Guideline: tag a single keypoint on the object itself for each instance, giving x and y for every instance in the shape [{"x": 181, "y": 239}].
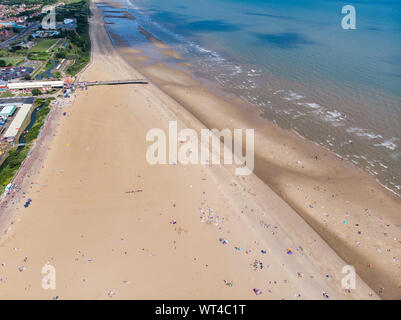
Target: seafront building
[
  {"x": 3, "y": 86},
  {"x": 17, "y": 122}
]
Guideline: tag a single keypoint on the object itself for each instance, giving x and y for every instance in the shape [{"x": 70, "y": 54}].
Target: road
[{"x": 20, "y": 35}]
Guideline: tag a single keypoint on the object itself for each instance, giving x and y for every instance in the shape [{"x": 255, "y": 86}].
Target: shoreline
[{"x": 357, "y": 193}]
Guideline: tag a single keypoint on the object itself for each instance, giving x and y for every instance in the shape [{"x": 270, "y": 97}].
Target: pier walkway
[{"x": 108, "y": 83}]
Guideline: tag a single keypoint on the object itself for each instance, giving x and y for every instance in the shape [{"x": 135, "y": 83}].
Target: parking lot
[{"x": 7, "y": 74}]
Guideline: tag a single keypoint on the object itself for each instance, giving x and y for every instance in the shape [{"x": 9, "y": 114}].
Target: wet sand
[{"x": 357, "y": 217}]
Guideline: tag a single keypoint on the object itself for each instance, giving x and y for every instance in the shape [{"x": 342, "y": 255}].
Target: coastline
[
  {"x": 108, "y": 244},
  {"x": 339, "y": 200}
]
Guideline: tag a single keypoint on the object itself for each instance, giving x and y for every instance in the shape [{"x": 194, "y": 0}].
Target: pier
[{"x": 110, "y": 83}]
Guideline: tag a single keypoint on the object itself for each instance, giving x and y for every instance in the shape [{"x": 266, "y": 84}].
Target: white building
[
  {"x": 68, "y": 21},
  {"x": 8, "y": 109}
]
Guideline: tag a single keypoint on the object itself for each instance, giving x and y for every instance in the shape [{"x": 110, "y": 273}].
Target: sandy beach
[{"x": 116, "y": 227}]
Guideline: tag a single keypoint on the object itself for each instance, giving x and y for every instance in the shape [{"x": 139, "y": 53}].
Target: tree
[
  {"x": 61, "y": 54},
  {"x": 27, "y": 77},
  {"x": 36, "y": 92},
  {"x": 3, "y": 63}
]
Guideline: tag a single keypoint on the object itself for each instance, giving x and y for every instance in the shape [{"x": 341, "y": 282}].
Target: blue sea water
[{"x": 293, "y": 60}]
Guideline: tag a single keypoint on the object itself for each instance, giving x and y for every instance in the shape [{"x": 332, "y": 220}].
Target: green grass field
[
  {"x": 43, "y": 45},
  {"x": 14, "y": 60}
]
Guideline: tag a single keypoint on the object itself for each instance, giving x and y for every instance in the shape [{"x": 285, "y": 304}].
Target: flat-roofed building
[
  {"x": 17, "y": 122},
  {"x": 8, "y": 110},
  {"x": 34, "y": 84}
]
